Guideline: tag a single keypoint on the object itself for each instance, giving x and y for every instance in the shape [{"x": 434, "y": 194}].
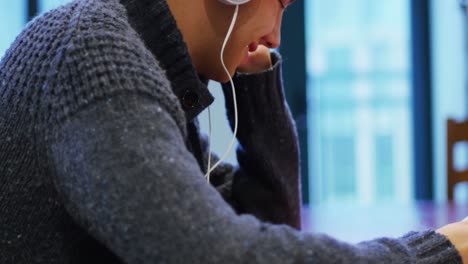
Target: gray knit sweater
[{"x": 101, "y": 160}]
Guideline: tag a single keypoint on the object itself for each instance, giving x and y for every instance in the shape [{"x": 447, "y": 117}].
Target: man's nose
[{"x": 273, "y": 40}]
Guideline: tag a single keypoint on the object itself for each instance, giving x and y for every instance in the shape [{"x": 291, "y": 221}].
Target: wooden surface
[{"x": 354, "y": 223}]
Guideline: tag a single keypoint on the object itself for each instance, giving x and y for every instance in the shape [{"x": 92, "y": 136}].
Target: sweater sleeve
[
  {"x": 267, "y": 182},
  {"x": 119, "y": 161},
  {"x": 128, "y": 179}
]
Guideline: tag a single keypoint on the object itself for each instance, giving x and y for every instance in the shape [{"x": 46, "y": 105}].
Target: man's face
[{"x": 258, "y": 23}]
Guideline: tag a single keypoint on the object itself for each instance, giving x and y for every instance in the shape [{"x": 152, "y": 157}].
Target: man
[{"x": 101, "y": 159}]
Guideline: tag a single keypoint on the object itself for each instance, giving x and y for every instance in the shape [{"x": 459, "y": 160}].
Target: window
[
  {"x": 449, "y": 26},
  {"x": 359, "y": 100}
]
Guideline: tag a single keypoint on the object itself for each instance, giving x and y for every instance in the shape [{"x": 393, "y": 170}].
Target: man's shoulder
[{"x": 87, "y": 19}]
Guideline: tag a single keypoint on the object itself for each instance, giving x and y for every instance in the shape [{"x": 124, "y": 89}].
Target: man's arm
[
  {"x": 267, "y": 183},
  {"x": 127, "y": 178}
]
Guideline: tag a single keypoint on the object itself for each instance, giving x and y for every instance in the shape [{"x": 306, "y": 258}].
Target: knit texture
[{"x": 101, "y": 160}]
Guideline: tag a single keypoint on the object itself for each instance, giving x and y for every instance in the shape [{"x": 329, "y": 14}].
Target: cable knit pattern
[
  {"x": 110, "y": 58},
  {"x": 101, "y": 160}
]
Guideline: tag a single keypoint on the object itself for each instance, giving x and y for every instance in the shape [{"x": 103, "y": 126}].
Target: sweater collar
[{"x": 154, "y": 22}]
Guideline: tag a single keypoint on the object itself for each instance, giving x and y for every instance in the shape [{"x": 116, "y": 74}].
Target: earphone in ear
[{"x": 234, "y": 2}]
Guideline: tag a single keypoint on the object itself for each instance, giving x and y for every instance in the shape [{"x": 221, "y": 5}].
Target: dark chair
[{"x": 457, "y": 132}]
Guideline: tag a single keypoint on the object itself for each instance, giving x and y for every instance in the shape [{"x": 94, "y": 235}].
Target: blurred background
[{"x": 371, "y": 85}]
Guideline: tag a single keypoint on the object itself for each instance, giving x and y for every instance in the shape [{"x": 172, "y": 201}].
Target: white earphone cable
[
  {"x": 207, "y": 175},
  {"x": 210, "y": 169}
]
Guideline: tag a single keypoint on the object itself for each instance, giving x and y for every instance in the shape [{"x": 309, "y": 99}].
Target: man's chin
[
  {"x": 222, "y": 76},
  {"x": 225, "y": 79},
  {"x": 218, "y": 75}
]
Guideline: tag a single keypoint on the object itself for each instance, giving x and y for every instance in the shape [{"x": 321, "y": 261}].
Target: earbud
[{"x": 234, "y": 2}]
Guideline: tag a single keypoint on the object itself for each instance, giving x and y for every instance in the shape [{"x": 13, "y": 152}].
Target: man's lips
[{"x": 253, "y": 47}]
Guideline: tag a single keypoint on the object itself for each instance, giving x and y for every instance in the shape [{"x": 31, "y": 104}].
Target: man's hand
[
  {"x": 457, "y": 233},
  {"x": 259, "y": 60}
]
